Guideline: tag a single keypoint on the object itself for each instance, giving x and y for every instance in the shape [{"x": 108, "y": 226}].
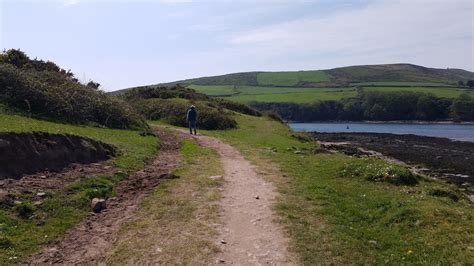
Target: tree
[
  {"x": 461, "y": 83},
  {"x": 463, "y": 107},
  {"x": 470, "y": 83}
]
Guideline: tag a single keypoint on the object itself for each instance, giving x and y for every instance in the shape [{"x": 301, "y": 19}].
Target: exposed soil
[
  {"x": 28, "y": 153},
  {"x": 47, "y": 181},
  {"x": 89, "y": 241},
  {"x": 438, "y": 157},
  {"x": 249, "y": 235}
]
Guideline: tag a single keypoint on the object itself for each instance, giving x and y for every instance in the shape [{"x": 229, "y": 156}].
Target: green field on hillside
[
  {"x": 246, "y": 94},
  {"x": 403, "y": 84},
  {"x": 287, "y": 78},
  {"x": 390, "y": 75},
  {"x": 296, "y": 95},
  {"x": 218, "y": 90}
]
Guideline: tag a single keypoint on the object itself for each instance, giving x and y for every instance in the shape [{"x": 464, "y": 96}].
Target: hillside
[
  {"x": 68, "y": 149},
  {"x": 373, "y": 92},
  {"x": 44, "y": 90},
  {"x": 391, "y": 74}
]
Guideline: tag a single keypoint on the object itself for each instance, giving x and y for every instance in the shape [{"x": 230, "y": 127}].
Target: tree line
[{"x": 377, "y": 106}]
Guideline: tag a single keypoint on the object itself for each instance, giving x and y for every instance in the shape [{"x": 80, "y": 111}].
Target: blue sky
[{"x": 130, "y": 43}]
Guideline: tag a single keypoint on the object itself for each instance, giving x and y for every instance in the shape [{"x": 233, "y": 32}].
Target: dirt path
[
  {"x": 91, "y": 239},
  {"x": 249, "y": 235}
]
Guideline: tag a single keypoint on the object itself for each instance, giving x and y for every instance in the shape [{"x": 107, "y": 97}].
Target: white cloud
[
  {"x": 70, "y": 2},
  {"x": 384, "y": 30}
]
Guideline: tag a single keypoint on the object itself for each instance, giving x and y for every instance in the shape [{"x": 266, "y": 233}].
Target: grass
[
  {"x": 134, "y": 149},
  {"x": 402, "y": 84},
  {"x": 24, "y": 228},
  {"x": 291, "y": 78},
  {"x": 222, "y": 90},
  {"x": 27, "y": 226},
  {"x": 335, "y": 218},
  {"x": 246, "y": 94},
  {"x": 175, "y": 223},
  {"x": 295, "y": 95}
]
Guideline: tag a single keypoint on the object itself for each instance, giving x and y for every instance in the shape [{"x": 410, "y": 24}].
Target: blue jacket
[{"x": 192, "y": 115}]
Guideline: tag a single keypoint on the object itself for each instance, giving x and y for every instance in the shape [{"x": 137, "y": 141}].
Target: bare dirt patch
[
  {"x": 28, "y": 153},
  {"x": 92, "y": 238}
]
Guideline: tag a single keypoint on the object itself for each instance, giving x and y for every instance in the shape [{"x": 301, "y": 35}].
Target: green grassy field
[
  {"x": 221, "y": 90},
  {"x": 287, "y": 78},
  {"x": 296, "y": 95},
  {"x": 333, "y": 218},
  {"x": 246, "y": 94},
  {"x": 370, "y": 75},
  {"x": 402, "y": 84},
  {"x": 20, "y": 237}
]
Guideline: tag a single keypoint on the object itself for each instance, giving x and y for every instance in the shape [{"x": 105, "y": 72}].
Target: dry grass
[{"x": 177, "y": 224}]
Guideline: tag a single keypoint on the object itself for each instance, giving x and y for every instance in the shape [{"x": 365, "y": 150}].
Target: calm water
[{"x": 452, "y": 131}]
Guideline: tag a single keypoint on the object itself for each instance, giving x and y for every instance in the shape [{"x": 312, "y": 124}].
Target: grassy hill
[
  {"x": 44, "y": 90},
  {"x": 332, "y": 84}
]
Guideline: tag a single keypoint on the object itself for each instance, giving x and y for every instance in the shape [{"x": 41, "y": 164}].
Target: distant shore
[{"x": 415, "y": 122}]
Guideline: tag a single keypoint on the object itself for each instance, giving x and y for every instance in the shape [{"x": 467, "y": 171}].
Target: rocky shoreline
[{"x": 443, "y": 158}]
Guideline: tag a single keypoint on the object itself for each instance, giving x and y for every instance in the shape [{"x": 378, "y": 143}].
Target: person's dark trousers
[{"x": 192, "y": 126}]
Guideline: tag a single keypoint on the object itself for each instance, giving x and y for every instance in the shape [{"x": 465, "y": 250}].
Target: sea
[{"x": 463, "y": 132}]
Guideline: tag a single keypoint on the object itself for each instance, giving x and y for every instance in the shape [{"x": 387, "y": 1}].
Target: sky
[{"x": 126, "y": 43}]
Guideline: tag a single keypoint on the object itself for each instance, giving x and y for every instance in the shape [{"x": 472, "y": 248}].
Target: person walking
[{"x": 191, "y": 119}]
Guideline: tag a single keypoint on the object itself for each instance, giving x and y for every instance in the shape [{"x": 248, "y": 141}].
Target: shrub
[
  {"x": 174, "y": 111},
  {"x": 42, "y": 90},
  {"x": 237, "y": 107},
  {"x": 24, "y": 210},
  {"x": 274, "y": 116},
  {"x": 444, "y": 193},
  {"x": 5, "y": 242},
  {"x": 149, "y": 92},
  {"x": 177, "y": 91},
  {"x": 378, "y": 171}
]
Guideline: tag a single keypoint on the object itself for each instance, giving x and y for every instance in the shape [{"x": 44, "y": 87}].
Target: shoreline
[
  {"x": 444, "y": 158},
  {"x": 413, "y": 122}
]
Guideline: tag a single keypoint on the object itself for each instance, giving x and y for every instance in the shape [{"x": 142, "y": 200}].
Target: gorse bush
[
  {"x": 174, "y": 111},
  {"x": 171, "y": 104},
  {"x": 42, "y": 89},
  {"x": 177, "y": 91},
  {"x": 236, "y": 107},
  {"x": 151, "y": 92}
]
